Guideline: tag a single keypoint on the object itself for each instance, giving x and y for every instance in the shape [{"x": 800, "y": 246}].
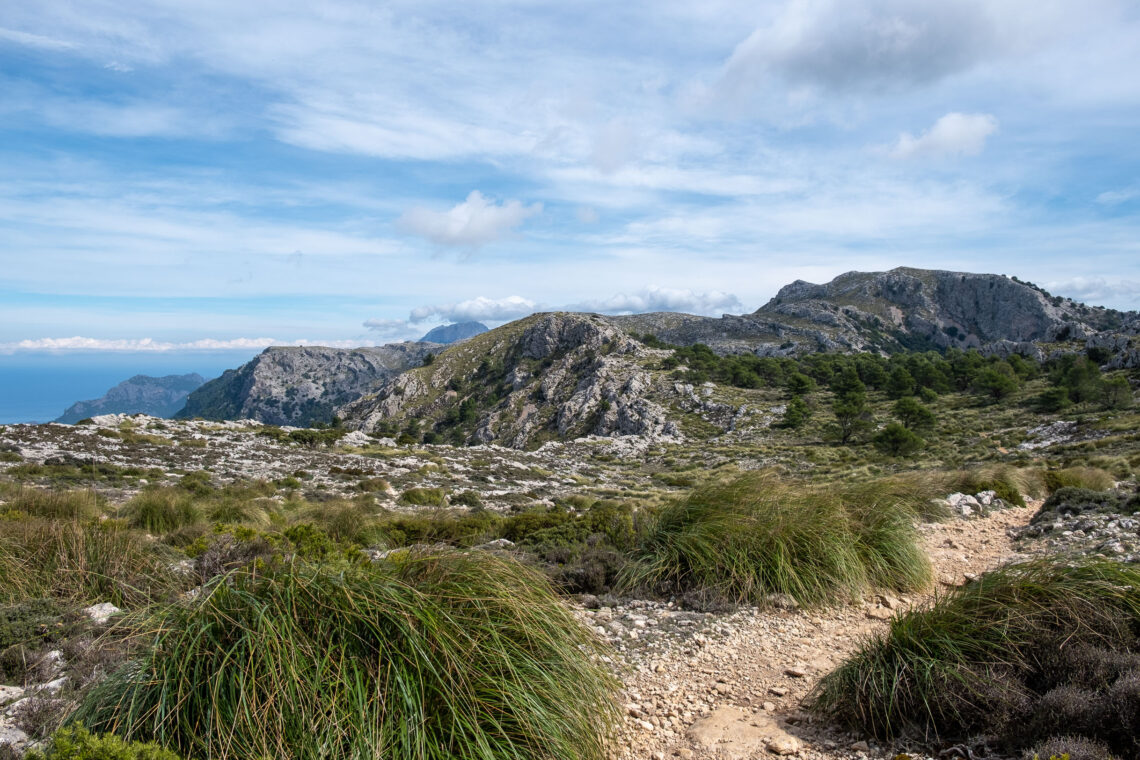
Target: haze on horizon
[{"x": 202, "y": 176}]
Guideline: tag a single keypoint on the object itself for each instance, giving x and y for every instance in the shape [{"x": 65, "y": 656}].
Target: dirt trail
[{"x": 733, "y": 689}]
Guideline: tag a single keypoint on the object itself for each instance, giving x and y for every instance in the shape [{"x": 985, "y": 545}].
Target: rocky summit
[
  {"x": 454, "y": 333},
  {"x": 901, "y": 309},
  {"x": 286, "y": 385},
  {"x": 141, "y": 394}
]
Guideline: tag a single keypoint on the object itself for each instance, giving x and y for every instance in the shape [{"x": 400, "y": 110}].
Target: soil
[{"x": 730, "y": 686}]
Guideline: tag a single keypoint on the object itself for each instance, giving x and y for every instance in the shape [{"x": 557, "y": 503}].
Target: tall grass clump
[
  {"x": 81, "y": 561},
  {"x": 1011, "y": 484},
  {"x": 1092, "y": 478},
  {"x": 1020, "y": 654},
  {"x": 756, "y": 535},
  {"x": 55, "y": 504},
  {"x": 161, "y": 510},
  {"x": 428, "y": 656}
]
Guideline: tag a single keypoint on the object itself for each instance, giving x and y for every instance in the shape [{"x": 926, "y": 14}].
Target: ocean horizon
[{"x": 38, "y": 387}]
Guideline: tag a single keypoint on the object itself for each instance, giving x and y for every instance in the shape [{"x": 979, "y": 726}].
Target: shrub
[
  {"x": 467, "y": 499},
  {"x": 1092, "y": 478},
  {"x": 1047, "y": 645},
  {"x": 897, "y": 440},
  {"x": 1008, "y": 482},
  {"x": 161, "y": 510},
  {"x": 756, "y": 536},
  {"x": 76, "y": 743},
  {"x": 432, "y": 655}
]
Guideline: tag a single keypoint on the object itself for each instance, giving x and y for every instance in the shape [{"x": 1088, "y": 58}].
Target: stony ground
[{"x": 730, "y": 686}]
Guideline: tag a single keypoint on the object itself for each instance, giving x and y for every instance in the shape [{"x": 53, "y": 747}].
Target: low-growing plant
[
  {"x": 55, "y": 504},
  {"x": 77, "y": 743},
  {"x": 423, "y": 655},
  {"x": 1047, "y": 646}
]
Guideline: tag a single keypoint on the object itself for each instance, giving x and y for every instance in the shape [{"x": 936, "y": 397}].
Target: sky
[{"x": 182, "y": 176}]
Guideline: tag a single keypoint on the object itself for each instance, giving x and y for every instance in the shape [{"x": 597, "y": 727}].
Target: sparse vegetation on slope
[{"x": 436, "y": 655}]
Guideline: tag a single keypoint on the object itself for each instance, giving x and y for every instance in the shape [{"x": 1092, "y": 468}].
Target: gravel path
[{"x": 729, "y": 686}]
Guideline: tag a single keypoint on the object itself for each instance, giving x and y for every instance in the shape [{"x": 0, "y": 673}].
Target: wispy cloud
[
  {"x": 34, "y": 40},
  {"x": 470, "y": 224},
  {"x": 79, "y": 343}
]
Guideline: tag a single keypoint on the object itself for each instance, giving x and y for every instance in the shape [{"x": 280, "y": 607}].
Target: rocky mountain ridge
[
  {"x": 141, "y": 394},
  {"x": 293, "y": 385},
  {"x": 557, "y": 375},
  {"x": 454, "y": 333},
  {"x": 902, "y": 309}
]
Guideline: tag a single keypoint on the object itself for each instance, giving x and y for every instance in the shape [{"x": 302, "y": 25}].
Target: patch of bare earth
[{"x": 730, "y": 686}]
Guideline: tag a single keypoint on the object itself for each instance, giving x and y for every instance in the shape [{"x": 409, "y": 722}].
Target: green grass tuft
[
  {"x": 1015, "y": 655},
  {"x": 161, "y": 510},
  {"x": 757, "y": 535},
  {"x": 427, "y": 656}
]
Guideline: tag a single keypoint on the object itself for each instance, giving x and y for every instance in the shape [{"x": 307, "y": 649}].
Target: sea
[{"x": 38, "y": 387}]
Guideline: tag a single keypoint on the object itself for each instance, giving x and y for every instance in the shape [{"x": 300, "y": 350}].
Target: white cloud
[
  {"x": 614, "y": 146},
  {"x": 1098, "y": 291},
  {"x": 479, "y": 309},
  {"x": 955, "y": 134},
  {"x": 79, "y": 343},
  {"x": 472, "y": 223},
  {"x": 587, "y": 215},
  {"x": 656, "y": 298}
]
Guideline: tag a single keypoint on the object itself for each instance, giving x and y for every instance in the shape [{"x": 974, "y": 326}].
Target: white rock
[{"x": 101, "y": 613}]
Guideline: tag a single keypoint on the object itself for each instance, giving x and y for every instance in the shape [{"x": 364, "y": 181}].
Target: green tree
[
  {"x": 901, "y": 383},
  {"x": 1054, "y": 400},
  {"x": 800, "y": 384},
  {"x": 997, "y": 380},
  {"x": 797, "y": 413},
  {"x": 913, "y": 414},
  {"x": 1117, "y": 392},
  {"x": 897, "y": 440}
]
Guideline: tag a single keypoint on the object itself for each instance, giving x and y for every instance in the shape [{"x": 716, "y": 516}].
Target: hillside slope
[
  {"x": 549, "y": 376},
  {"x": 141, "y": 394},
  {"x": 288, "y": 385}
]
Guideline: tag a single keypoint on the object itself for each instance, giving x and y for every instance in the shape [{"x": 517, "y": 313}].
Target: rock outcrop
[
  {"x": 288, "y": 385},
  {"x": 549, "y": 376},
  {"x": 141, "y": 394}
]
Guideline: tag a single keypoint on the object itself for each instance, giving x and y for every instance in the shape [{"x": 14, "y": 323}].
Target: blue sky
[{"x": 199, "y": 175}]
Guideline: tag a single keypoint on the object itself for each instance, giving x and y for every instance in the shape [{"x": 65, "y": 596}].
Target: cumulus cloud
[
  {"x": 955, "y": 134},
  {"x": 656, "y": 298},
  {"x": 470, "y": 224},
  {"x": 479, "y": 309},
  {"x": 1099, "y": 291},
  {"x": 80, "y": 343},
  {"x": 839, "y": 45}
]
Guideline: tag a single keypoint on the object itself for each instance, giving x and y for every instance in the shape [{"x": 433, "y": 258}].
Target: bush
[
  {"x": 1092, "y": 478},
  {"x": 1008, "y": 482},
  {"x": 1039, "y": 647},
  {"x": 432, "y": 655},
  {"x": 756, "y": 536},
  {"x": 76, "y": 743},
  {"x": 897, "y": 440}
]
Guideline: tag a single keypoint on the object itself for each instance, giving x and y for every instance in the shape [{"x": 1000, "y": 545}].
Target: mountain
[
  {"x": 454, "y": 333},
  {"x": 292, "y": 385},
  {"x": 548, "y": 376},
  {"x": 141, "y": 394},
  {"x": 891, "y": 311}
]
